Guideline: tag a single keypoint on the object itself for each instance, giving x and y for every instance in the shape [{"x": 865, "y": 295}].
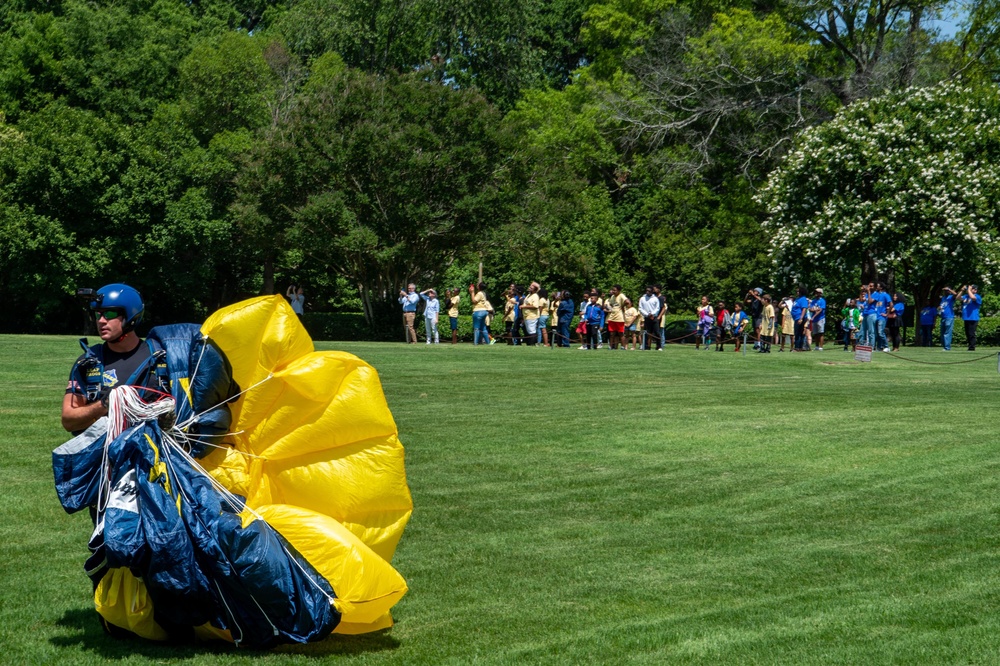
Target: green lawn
[{"x": 609, "y": 507}]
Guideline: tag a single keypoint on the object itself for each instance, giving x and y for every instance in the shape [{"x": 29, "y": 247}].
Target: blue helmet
[{"x": 122, "y": 297}]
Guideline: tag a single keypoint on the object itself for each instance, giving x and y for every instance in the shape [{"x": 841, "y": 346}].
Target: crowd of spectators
[{"x": 533, "y": 316}]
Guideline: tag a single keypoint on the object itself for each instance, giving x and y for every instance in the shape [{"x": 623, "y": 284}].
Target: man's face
[
  {"x": 410, "y": 288},
  {"x": 109, "y": 329}
]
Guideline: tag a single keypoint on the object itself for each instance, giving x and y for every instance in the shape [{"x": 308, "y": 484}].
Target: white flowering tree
[{"x": 907, "y": 185}]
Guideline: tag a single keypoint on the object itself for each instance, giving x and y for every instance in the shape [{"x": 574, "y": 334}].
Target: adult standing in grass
[
  {"x": 118, "y": 360},
  {"x": 883, "y": 303},
  {"x": 296, "y": 296},
  {"x": 409, "y": 299},
  {"x": 480, "y": 310},
  {"x": 649, "y": 309},
  {"x": 818, "y": 309},
  {"x": 554, "y": 317},
  {"x": 947, "y": 311},
  {"x": 754, "y": 301},
  {"x": 869, "y": 315},
  {"x": 454, "y": 298},
  {"x": 971, "y": 302},
  {"x": 662, "y": 320},
  {"x": 542, "y": 336},
  {"x": 432, "y": 310},
  {"x": 614, "y": 306},
  {"x": 928, "y": 317},
  {"x": 565, "y": 316},
  {"x": 530, "y": 313},
  {"x": 894, "y": 320},
  {"x": 799, "y": 309}
]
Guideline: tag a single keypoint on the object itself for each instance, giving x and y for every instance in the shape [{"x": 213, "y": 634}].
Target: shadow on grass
[{"x": 87, "y": 634}]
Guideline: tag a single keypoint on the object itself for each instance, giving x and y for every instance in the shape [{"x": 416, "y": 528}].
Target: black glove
[{"x": 105, "y": 394}]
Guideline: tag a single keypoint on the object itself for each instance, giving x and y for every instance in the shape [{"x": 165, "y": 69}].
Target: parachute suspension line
[
  {"x": 125, "y": 409},
  {"x": 232, "y": 617},
  {"x": 194, "y": 419}
]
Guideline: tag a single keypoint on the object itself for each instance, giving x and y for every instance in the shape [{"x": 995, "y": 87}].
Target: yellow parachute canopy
[{"x": 316, "y": 454}]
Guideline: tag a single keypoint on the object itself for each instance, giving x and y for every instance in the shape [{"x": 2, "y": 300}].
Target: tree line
[{"x": 207, "y": 151}]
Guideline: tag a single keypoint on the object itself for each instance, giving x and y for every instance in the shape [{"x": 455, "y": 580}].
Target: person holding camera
[
  {"x": 947, "y": 311},
  {"x": 971, "y": 302},
  {"x": 409, "y": 299}
]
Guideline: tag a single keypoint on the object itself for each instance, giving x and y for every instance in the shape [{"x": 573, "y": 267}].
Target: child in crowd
[
  {"x": 851, "y": 323},
  {"x": 632, "y": 321},
  {"x": 594, "y": 315},
  {"x": 738, "y": 323},
  {"x": 723, "y": 325},
  {"x": 705, "y": 323},
  {"x": 766, "y": 325},
  {"x": 787, "y": 323}
]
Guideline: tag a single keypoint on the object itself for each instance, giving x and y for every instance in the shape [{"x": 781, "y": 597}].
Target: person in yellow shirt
[
  {"x": 554, "y": 316},
  {"x": 632, "y": 321},
  {"x": 509, "y": 313},
  {"x": 767, "y": 326},
  {"x": 452, "y": 299},
  {"x": 481, "y": 309},
  {"x": 614, "y": 306},
  {"x": 787, "y": 323},
  {"x": 543, "y": 317},
  {"x": 531, "y": 312}
]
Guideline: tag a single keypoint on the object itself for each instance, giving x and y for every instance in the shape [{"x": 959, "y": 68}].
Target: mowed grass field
[{"x": 607, "y": 507}]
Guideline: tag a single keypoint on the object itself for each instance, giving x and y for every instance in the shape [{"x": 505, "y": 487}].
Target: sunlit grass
[{"x": 572, "y": 507}]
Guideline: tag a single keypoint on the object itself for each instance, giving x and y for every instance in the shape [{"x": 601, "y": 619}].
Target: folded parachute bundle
[{"x": 260, "y": 502}]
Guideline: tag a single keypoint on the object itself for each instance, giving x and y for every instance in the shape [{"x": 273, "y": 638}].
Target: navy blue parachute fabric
[
  {"x": 200, "y": 380},
  {"x": 169, "y": 525}
]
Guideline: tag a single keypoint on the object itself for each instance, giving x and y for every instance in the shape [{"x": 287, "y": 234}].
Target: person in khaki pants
[{"x": 409, "y": 299}]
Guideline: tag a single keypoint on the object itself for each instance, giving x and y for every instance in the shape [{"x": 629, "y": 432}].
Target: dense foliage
[{"x": 206, "y": 151}]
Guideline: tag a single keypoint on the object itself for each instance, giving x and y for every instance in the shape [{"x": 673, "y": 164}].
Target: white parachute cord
[
  {"x": 125, "y": 409},
  {"x": 235, "y": 503},
  {"x": 193, "y": 419}
]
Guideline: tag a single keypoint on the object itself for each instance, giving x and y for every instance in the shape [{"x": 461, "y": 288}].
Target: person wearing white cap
[{"x": 818, "y": 308}]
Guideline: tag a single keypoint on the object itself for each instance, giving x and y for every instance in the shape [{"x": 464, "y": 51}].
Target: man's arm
[{"x": 78, "y": 414}]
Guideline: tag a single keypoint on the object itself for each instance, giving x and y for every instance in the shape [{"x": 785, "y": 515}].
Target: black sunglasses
[{"x": 109, "y": 315}]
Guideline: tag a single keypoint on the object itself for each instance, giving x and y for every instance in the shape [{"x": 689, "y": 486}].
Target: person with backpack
[{"x": 723, "y": 326}]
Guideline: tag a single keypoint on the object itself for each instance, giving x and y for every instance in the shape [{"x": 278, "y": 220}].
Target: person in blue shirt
[
  {"x": 928, "y": 317},
  {"x": 594, "y": 315},
  {"x": 738, "y": 322},
  {"x": 947, "y": 311},
  {"x": 894, "y": 320},
  {"x": 869, "y": 315},
  {"x": 883, "y": 303},
  {"x": 971, "y": 302},
  {"x": 409, "y": 299},
  {"x": 799, "y": 309},
  {"x": 818, "y": 309},
  {"x": 564, "y": 317},
  {"x": 432, "y": 309}
]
